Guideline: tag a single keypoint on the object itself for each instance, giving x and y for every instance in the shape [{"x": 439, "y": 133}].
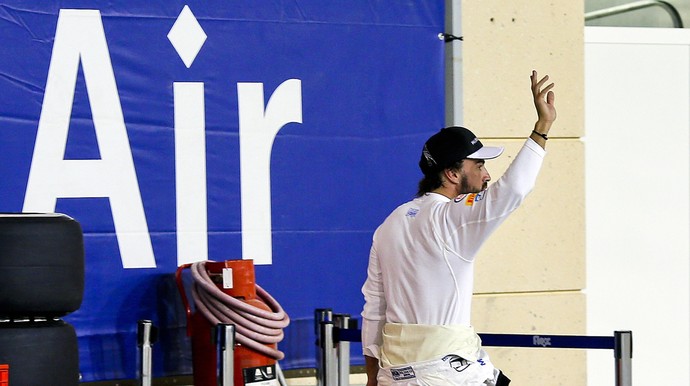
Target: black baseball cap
[{"x": 453, "y": 144}]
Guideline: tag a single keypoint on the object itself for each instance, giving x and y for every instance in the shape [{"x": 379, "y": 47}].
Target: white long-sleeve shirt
[{"x": 421, "y": 263}]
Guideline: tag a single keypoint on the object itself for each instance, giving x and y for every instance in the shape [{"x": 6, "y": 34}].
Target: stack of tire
[{"x": 41, "y": 281}]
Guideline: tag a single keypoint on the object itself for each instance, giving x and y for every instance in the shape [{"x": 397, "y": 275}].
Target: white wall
[{"x": 637, "y": 122}]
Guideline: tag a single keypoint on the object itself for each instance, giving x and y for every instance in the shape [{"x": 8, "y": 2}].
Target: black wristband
[{"x": 541, "y": 135}]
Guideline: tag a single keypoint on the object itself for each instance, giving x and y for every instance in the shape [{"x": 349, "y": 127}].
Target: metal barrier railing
[
  {"x": 224, "y": 335},
  {"x": 334, "y": 335},
  {"x": 333, "y": 358},
  {"x": 147, "y": 335},
  {"x": 225, "y": 340},
  {"x": 620, "y": 9}
]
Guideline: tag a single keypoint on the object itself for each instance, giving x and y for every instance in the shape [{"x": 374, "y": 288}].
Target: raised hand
[{"x": 543, "y": 98}]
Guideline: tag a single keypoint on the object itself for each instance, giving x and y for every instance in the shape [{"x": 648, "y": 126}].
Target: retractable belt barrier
[
  {"x": 335, "y": 331},
  {"x": 224, "y": 337},
  {"x": 147, "y": 335}
]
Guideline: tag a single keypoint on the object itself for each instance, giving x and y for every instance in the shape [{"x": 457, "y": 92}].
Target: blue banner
[{"x": 278, "y": 131}]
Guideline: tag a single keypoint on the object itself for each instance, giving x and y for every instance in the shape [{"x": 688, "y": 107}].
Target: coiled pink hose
[{"x": 255, "y": 328}]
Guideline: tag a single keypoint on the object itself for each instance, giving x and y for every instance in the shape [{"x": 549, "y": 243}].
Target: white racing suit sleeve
[
  {"x": 472, "y": 218},
  {"x": 373, "y": 314}
]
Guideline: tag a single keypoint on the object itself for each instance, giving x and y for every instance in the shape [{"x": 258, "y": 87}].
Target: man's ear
[{"x": 452, "y": 175}]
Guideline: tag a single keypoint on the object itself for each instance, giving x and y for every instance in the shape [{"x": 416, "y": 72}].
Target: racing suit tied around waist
[{"x": 412, "y": 343}]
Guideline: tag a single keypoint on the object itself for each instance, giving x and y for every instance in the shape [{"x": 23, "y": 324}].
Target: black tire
[
  {"x": 41, "y": 265},
  {"x": 40, "y": 353}
]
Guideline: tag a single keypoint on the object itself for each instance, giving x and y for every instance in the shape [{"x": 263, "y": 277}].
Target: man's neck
[{"x": 446, "y": 191}]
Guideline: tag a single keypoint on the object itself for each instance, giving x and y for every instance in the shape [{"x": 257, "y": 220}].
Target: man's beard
[{"x": 466, "y": 188}]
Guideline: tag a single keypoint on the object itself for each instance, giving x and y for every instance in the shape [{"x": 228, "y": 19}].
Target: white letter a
[{"x": 80, "y": 36}]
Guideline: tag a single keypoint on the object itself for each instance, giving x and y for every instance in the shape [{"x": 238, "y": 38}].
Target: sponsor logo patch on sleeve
[
  {"x": 412, "y": 212},
  {"x": 470, "y": 199}
]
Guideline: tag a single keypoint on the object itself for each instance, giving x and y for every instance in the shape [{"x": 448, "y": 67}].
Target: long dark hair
[{"x": 433, "y": 181}]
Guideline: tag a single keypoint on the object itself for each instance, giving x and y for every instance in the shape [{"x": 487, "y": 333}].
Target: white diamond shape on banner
[{"x": 187, "y": 36}]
